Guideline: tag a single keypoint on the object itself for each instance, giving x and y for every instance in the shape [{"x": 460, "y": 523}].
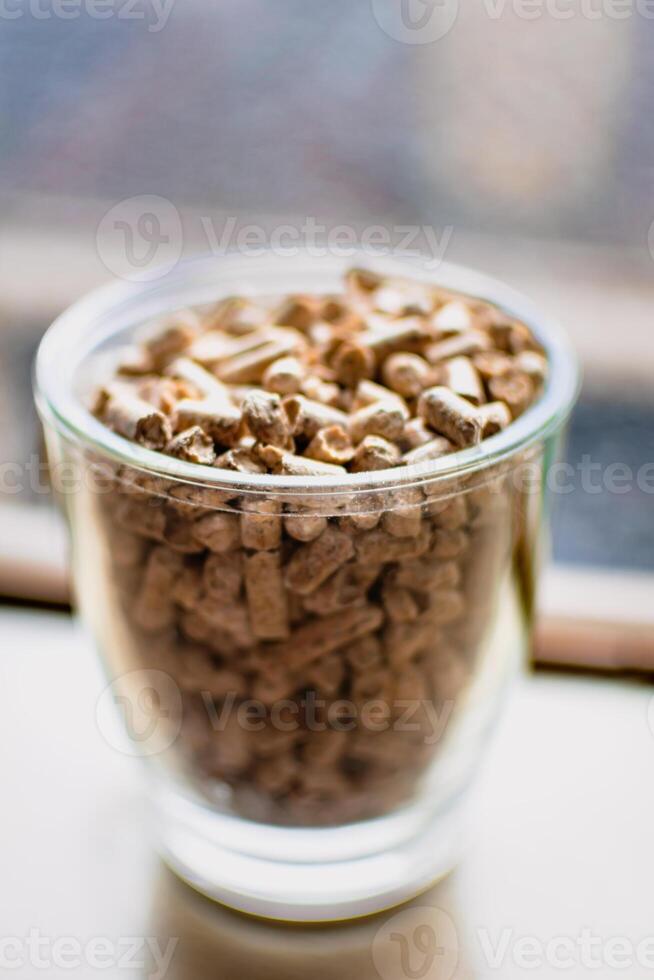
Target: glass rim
[{"x": 65, "y": 345}]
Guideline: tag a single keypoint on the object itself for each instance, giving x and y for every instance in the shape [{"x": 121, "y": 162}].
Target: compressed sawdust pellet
[
  {"x": 375, "y": 453},
  {"x": 331, "y": 445},
  {"x": 312, "y": 563},
  {"x": 124, "y": 411},
  {"x": 266, "y": 595},
  {"x": 451, "y": 416}
]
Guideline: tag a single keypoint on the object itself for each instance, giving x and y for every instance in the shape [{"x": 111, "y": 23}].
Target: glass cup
[{"x": 309, "y": 666}]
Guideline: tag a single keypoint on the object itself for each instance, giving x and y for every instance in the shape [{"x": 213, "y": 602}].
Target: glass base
[{"x": 310, "y": 875}]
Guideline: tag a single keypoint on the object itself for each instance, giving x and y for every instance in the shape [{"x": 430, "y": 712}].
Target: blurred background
[
  {"x": 517, "y": 137},
  {"x": 512, "y": 135}
]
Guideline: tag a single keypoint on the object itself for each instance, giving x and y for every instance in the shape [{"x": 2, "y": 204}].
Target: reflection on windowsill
[{"x": 421, "y": 939}]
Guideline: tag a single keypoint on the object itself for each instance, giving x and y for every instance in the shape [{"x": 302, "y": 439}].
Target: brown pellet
[
  {"x": 284, "y": 376},
  {"x": 368, "y": 392},
  {"x": 533, "y": 364},
  {"x": 240, "y": 460},
  {"x": 434, "y": 449},
  {"x": 205, "y": 384},
  {"x": 377, "y": 546},
  {"x": 494, "y": 416},
  {"x": 448, "y": 544},
  {"x": 222, "y": 575},
  {"x": 178, "y": 534},
  {"x": 404, "y": 520},
  {"x": 304, "y": 527},
  {"x": 299, "y": 312},
  {"x": 266, "y": 419},
  {"x": 176, "y": 336},
  {"x": 449, "y": 512},
  {"x": 192, "y": 445},
  {"x": 261, "y": 526},
  {"x": 323, "y": 392},
  {"x": 407, "y": 374},
  {"x": 216, "y": 346},
  {"x": 346, "y": 587},
  {"x": 153, "y": 607},
  {"x": 144, "y": 518},
  {"x": 290, "y": 464},
  {"x": 163, "y": 393},
  {"x": 266, "y": 596},
  {"x": 308, "y": 417},
  {"x": 514, "y": 389},
  {"x": 452, "y": 319},
  {"x": 375, "y": 453},
  {"x": 450, "y": 416},
  {"x": 385, "y": 336},
  {"x": 460, "y": 345},
  {"x": 360, "y": 522},
  {"x": 233, "y": 618},
  {"x": 331, "y": 445},
  {"x": 352, "y": 362},
  {"x": 414, "y": 435},
  {"x": 219, "y": 419},
  {"x": 130, "y": 416},
  {"x": 312, "y": 563},
  {"x": 317, "y": 638},
  {"x": 492, "y": 363},
  {"x": 461, "y": 376},
  {"x": 135, "y": 361},
  {"x": 250, "y": 366},
  {"x": 212, "y": 409},
  {"x": 382, "y": 418}
]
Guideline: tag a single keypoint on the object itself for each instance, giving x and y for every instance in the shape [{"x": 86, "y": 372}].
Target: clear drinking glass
[{"x": 320, "y": 774}]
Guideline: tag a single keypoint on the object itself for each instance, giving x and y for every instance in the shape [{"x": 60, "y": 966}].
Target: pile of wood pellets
[{"x": 248, "y": 597}]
